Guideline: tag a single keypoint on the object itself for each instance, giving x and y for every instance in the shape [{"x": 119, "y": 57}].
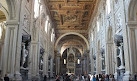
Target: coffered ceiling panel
[{"x": 71, "y": 14}]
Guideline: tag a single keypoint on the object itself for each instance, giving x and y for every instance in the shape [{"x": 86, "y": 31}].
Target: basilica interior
[{"x": 79, "y": 37}]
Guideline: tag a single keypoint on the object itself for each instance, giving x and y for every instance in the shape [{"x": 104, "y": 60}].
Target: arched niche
[{"x": 72, "y": 33}]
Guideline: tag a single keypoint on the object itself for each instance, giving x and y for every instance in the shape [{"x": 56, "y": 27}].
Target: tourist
[
  {"x": 77, "y": 79},
  {"x": 6, "y": 78},
  {"x": 107, "y": 78},
  {"x": 45, "y": 78},
  {"x": 1, "y": 78},
  {"x": 135, "y": 77},
  {"x": 57, "y": 78},
  {"x": 83, "y": 79},
  {"x": 94, "y": 78},
  {"x": 97, "y": 79},
  {"x": 68, "y": 79}
]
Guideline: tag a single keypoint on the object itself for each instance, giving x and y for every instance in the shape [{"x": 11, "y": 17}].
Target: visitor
[
  {"x": 94, "y": 78},
  {"x": 6, "y": 78},
  {"x": 107, "y": 77},
  {"x": 97, "y": 79},
  {"x": 135, "y": 77},
  {"x": 57, "y": 78},
  {"x": 45, "y": 78},
  {"x": 1, "y": 78},
  {"x": 83, "y": 79},
  {"x": 100, "y": 76},
  {"x": 68, "y": 79},
  {"x": 77, "y": 79},
  {"x": 113, "y": 78}
]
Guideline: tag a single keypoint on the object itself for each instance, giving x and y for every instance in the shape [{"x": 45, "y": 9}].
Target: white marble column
[
  {"x": 98, "y": 63},
  {"x": 58, "y": 64},
  {"x": 109, "y": 59},
  {"x": 34, "y": 66},
  {"x": 45, "y": 68},
  {"x": 10, "y": 48},
  {"x": 92, "y": 63},
  {"x": 1, "y": 53},
  {"x": 131, "y": 57},
  {"x": 115, "y": 52},
  {"x": 126, "y": 44},
  {"x": 51, "y": 67}
]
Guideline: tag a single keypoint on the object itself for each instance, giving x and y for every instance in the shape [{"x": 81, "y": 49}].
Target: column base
[
  {"x": 17, "y": 77},
  {"x": 126, "y": 76},
  {"x": 115, "y": 74},
  {"x": 11, "y": 77},
  {"x": 35, "y": 78},
  {"x": 29, "y": 77}
]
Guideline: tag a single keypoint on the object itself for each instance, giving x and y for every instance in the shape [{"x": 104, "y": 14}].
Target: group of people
[
  {"x": 100, "y": 77},
  {"x": 88, "y": 77}
]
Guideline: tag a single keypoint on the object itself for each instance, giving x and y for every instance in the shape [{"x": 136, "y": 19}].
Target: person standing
[
  {"x": 57, "y": 79},
  {"x": 6, "y": 78},
  {"x": 135, "y": 77},
  {"x": 45, "y": 78},
  {"x": 94, "y": 78},
  {"x": 1, "y": 78}
]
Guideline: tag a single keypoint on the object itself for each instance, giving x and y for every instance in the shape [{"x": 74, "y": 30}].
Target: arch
[
  {"x": 74, "y": 33},
  {"x": 8, "y": 7},
  {"x": 131, "y": 10},
  {"x": 4, "y": 11},
  {"x": 73, "y": 46}
]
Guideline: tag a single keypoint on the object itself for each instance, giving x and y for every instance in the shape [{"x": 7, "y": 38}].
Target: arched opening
[
  {"x": 2, "y": 35},
  {"x": 71, "y": 61},
  {"x": 72, "y": 33}
]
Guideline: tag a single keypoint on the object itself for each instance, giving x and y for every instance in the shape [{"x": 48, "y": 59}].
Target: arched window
[
  {"x": 108, "y": 6},
  {"x": 65, "y": 61},
  {"x": 98, "y": 25},
  {"x": 78, "y": 61},
  {"x": 52, "y": 35},
  {"x": 91, "y": 36},
  {"x": 46, "y": 26},
  {"x": 36, "y": 8}
]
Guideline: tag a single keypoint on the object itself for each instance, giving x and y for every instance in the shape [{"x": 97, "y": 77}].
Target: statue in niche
[
  {"x": 41, "y": 64},
  {"x": 25, "y": 57}
]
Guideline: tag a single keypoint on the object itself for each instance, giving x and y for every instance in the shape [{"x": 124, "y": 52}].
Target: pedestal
[
  {"x": 17, "y": 76},
  {"x": 126, "y": 76}
]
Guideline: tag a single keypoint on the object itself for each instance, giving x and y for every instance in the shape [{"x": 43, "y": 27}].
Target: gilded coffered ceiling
[{"x": 71, "y": 14}]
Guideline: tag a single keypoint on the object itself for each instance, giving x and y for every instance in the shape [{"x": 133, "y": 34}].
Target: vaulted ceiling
[{"x": 71, "y": 15}]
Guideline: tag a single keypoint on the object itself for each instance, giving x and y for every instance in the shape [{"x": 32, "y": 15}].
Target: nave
[{"x": 73, "y": 37}]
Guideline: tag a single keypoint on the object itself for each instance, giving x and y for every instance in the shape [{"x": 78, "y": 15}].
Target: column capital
[{"x": 12, "y": 22}]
